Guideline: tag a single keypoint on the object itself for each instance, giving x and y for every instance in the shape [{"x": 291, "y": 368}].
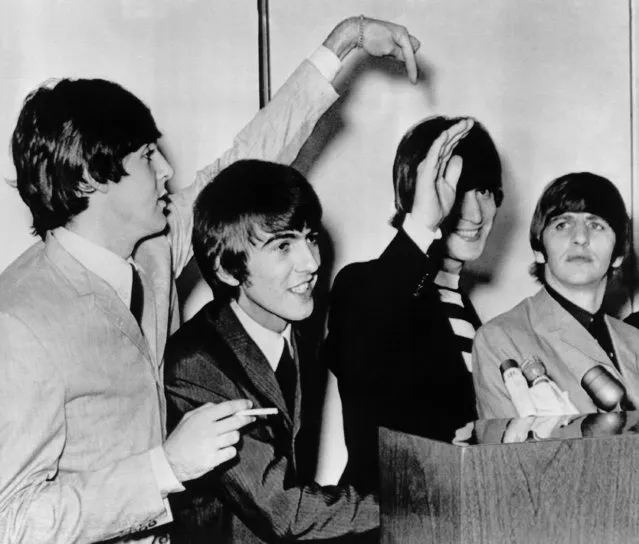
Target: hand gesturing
[{"x": 437, "y": 177}]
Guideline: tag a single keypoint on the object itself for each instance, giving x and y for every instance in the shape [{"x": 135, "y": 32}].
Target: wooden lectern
[{"x": 575, "y": 480}]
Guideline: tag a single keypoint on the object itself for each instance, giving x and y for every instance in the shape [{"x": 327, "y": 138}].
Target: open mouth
[
  {"x": 304, "y": 288},
  {"x": 469, "y": 235}
]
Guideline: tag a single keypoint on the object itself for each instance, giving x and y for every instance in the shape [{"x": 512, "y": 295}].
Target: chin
[
  {"x": 469, "y": 254},
  {"x": 300, "y": 314},
  {"x": 158, "y": 226}
]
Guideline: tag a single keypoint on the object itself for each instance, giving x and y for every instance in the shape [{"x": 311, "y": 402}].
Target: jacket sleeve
[
  {"x": 276, "y": 133},
  {"x": 39, "y": 503},
  {"x": 260, "y": 486}
]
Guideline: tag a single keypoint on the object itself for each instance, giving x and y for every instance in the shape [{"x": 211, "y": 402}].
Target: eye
[
  {"x": 283, "y": 246},
  {"x": 560, "y": 225},
  {"x": 313, "y": 238},
  {"x": 597, "y": 225},
  {"x": 148, "y": 154},
  {"x": 486, "y": 193}
]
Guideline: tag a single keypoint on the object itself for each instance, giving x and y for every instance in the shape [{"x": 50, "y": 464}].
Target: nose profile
[
  {"x": 163, "y": 170},
  {"x": 308, "y": 258}
]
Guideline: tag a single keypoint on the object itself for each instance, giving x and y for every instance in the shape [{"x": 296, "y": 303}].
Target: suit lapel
[
  {"x": 252, "y": 360},
  {"x": 626, "y": 357},
  {"x": 98, "y": 293},
  {"x": 153, "y": 257},
  {"x": 563, "y": 327},
  {"x": 299, "y": 355}
]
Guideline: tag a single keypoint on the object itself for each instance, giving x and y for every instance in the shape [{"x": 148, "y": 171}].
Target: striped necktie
[{"x": 458, "y": 314}]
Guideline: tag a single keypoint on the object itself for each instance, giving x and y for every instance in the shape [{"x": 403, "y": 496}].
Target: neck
[
  {"x": 107, "y": 237},
  {"x": 452, "y": 266},
  {"x": 588, "y": 297}
]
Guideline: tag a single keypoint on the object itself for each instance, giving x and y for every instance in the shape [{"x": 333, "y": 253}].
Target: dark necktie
[
  {"x": 137, "y": 297},
  {"x": 286, "y": 375}
]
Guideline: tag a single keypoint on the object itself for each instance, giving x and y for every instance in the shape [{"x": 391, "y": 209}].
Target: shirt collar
[
  {"x": 271, "y": 343},
  {"x": 448, "y": 280},
  {"x": 105, "y": 264},
  {"x": 583, "y": 316}
]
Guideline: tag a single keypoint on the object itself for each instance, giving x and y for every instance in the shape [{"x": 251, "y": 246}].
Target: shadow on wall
[{"x": 332, "y": 122}]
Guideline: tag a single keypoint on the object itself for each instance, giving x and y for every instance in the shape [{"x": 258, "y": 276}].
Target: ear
[
  {"x": 89, "y": 185},
  {"x": 539, "y": 257},
  {"x": 617, "y": 262},
  {"x": 225, "y": 276}
]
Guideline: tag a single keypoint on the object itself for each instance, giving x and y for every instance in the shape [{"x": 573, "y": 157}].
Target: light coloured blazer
[
  {"x": 81, "y": 389},
  {"x": 540, "y": 326}
]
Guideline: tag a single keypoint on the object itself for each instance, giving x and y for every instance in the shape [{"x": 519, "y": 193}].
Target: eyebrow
[
  {"x": 282, "y": 235},
  {"x": 286, "y": 235},
  {"x": 589, "y": 216}
]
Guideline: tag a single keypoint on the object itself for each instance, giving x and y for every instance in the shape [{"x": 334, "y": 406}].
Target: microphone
[
  {"x": 604, "y": 389},
  {"x": 547, "y": 397},
  {"x": 603, "y": 424},
  {"x": 517, "y": 388}
]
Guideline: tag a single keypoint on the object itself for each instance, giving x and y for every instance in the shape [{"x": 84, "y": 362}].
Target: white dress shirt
[{"x": 271, "y": 343}]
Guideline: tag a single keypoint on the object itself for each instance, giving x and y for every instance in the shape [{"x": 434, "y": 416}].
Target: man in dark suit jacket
[
  {"x": 255, "y": 240},
  {"x": 399, "y": 358}
]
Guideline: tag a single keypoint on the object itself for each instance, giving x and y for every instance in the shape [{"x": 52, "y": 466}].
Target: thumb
[{"x": 453, "y": 171}]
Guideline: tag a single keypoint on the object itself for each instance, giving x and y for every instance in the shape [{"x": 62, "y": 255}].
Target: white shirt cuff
[
  {"x": 164, "y": 475},
  {"x": 326, "y": 62},
  {"x": 418, "y": 233}
]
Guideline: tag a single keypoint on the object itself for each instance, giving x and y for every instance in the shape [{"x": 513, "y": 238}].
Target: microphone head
[
  {"x": 604, "y": 389},
  {"x": 603, "y": 424},
  {"x": 507, "y": 365},
  {"x": 533, "y": 368}
]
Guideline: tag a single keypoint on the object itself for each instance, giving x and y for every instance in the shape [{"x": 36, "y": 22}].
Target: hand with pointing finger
[{"x": 378, "y": 38}]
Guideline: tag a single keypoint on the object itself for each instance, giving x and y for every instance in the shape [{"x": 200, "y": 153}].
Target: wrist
[
  {"x": 345, "y": 37},
  {"x": 174, "y": 466}
]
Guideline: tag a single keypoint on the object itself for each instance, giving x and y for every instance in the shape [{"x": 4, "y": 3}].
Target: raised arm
[{"x": 278, "y": 131}]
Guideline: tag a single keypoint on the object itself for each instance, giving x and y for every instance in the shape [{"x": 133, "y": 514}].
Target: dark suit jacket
[
  {"x": 633, "y": 319},
  {"x": 394, "y": 354},
  {"x": 267, "y": 492}
]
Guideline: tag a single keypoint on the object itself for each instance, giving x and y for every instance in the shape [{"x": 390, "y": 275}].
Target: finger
[
  {"x": 224, "y": 455},
  {"x": 453, "y": 171},
  {"x": 457, "y": 132},
  {"x": 225, "y": 440},
  {"x": 415, "y": 43},
  {"x": 227, "y": 408},
  {"x": 231, "y": 423},
  {"x": 431, "y": 161},
  {"x": 454, "y": 135},
  {"x": 408, "y": 54}
]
